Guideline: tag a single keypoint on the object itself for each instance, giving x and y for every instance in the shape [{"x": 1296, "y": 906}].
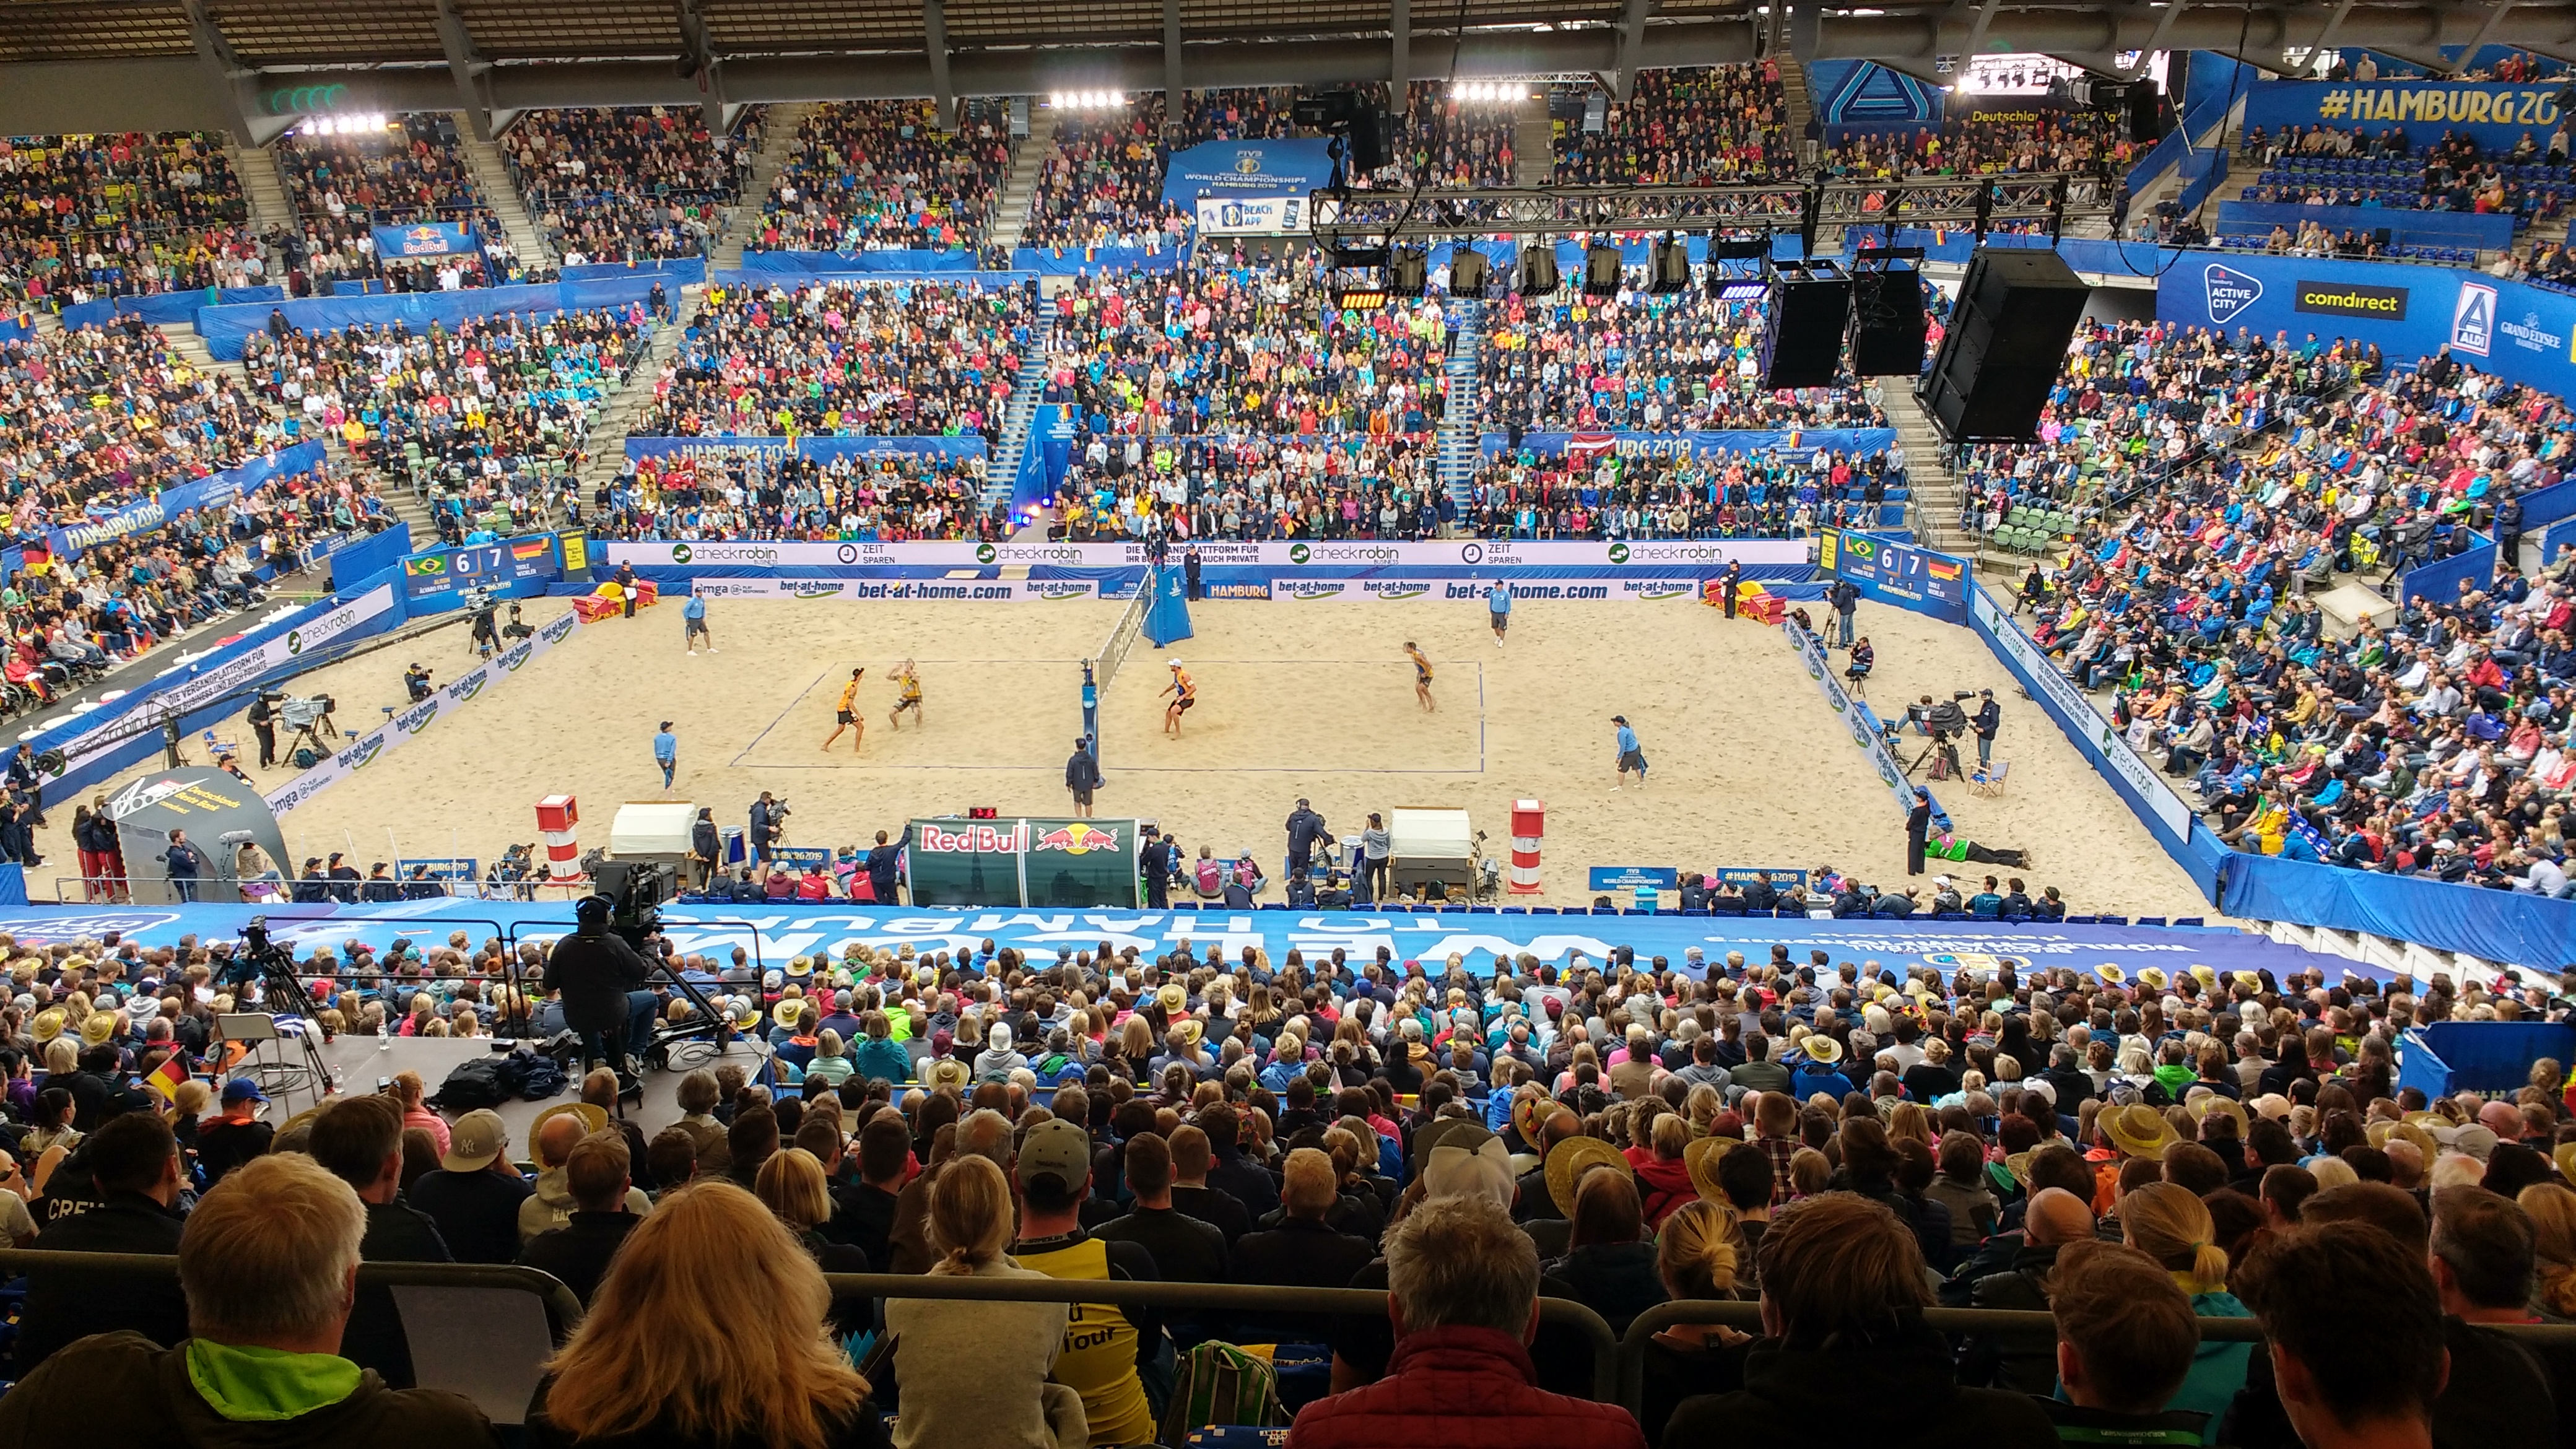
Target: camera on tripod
[{"x": 308, "y": 718}]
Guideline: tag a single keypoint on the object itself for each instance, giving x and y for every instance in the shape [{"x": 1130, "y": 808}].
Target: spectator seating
[
  {"x": 119, "y": 215},
  {"x": 871, "y": 174},
  {"x": 629, "y": 184}
]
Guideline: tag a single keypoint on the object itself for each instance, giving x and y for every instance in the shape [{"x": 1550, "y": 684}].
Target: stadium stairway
[
  {"x": 1461, "y": 430},
  {"x": 777, "y": 144},
  {"x": 262, "y": 186},
  {"x": 1017, "y": 417},
  {"x": 1020, "y": 188},
  {"x": 1534, "y": 143},
  {"x": 1793, "y": 88},
  {"x": 1936, "y": 489},
  {"x": 605, "y": 449},
  {"x": 493, "y": 175}
]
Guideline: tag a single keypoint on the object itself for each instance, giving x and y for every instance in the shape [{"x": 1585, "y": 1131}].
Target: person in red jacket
[{"x": 1463, "y": 1296}]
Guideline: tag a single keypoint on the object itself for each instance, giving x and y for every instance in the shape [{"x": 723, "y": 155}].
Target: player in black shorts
[{"x": 1184, "y": 692}]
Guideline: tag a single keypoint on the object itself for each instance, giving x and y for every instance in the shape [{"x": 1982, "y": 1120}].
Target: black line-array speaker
[
  {"x": 1802, "y": 328},
  {"x": 2018, "y": 308},
  {"x": 1887, "y": 322}
]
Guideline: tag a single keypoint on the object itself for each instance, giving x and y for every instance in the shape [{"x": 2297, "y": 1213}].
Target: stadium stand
[
  {"x": 344, "y": 184},
  {"x": 871, "y": 174},
  {"x": 629, "y": 184},
  {"x": 757, "y": 494},
  {"x": 100, "y": 216},
  {"x": 1687, "y": 126}
]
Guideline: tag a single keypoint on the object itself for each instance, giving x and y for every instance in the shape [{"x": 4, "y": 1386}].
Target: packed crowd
[
  {"x": 1606, "y": 493},
  {"x": 760, "y": 493},
  {"x": 1347, "y": 485},
  {"x": 872, "y": 174},
  {"x": 501, "y": 405},
  {"x": 345, "y": 186},
  {"x": 629, "y": 184},
  {"x": 96, "y": 420},
  {"x": 1444, "y": 140},
  {"x": 2139, "y": 401},
  {"x": 1103, "y": 186},
  {"x": 119, "y": 215},
  {"x": 2041, "y": 139},
  {"x": 1639, "y": 362},
  {"x": 1228, "y": 347},
  {"x": 1846, "y": 1142},
  {"x": 2433, "y": 743},
  {"x": 913, "y": 358},
  {"x": 1687, "y": 126}
]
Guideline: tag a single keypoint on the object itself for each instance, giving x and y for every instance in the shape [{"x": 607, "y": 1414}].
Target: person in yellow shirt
[
  {"x": 848, "y": 716},
  {"x": 1103, "y": 1343},
  {"x": 1185, "y": 694},
  {"x": 1421, "y": 678},
  {"x": 908, "y": 675}
]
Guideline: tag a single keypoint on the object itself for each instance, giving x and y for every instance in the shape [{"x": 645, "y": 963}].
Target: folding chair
[{"x": 1989, "y": 779}]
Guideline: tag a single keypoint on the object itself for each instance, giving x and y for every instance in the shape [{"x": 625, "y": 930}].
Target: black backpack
[{"x": 472, "y": 1086}]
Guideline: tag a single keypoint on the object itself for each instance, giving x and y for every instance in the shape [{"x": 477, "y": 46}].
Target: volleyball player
[
  {"x": 1184, "y": 692},
  {"x": 908, "y": 675},
  {"x": 1421, "y": 678},
  {"x": 848, "y": 716}
]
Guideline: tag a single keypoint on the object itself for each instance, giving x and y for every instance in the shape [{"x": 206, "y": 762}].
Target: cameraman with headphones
[{"x": 600, "y": 978}]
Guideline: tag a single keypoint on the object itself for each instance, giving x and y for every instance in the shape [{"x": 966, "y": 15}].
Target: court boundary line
[
  {"x": 784, "y": 710},
  {"x": 798, "y": 697}
]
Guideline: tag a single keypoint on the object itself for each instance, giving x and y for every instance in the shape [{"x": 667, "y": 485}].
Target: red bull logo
[
  {"x": 1078, "y": 839},
  {"x": 980, "y": 838}
]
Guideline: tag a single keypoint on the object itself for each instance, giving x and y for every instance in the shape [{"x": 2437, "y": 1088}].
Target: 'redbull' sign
[{"x": 1024, "y": 862}]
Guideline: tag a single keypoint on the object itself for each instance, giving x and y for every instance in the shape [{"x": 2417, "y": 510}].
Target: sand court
[{"x": 1749, "y": 767}]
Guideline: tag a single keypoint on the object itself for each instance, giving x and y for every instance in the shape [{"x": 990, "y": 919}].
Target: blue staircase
[
  {"x": 1027, "y": 387},
  {"x": 1461, "y": 435}
]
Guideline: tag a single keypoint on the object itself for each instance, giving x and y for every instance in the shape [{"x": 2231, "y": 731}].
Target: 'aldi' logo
[
  {"x": 2473, "y": 318},
  {"x": 2230, "y": 292}
]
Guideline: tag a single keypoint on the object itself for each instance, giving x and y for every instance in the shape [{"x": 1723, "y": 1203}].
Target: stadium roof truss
[{"x": 254, "y": 66}]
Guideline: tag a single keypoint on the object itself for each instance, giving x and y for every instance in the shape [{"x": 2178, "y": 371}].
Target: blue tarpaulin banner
[
  {"x": 165, "y": 309},
  {"x": 675, "y": 271},
  {"x": 2475, "y": 230},
  {"x": 426, "y": 239},
  {"x": 1093, "y": 261},
  {"x": 2495, "y": 116},
  {"x": 11, "y": 330},
  {"x": 820, "y": 448},
  {"x": 370, "y": 555},
  {"x": 891, "y": 259},
  {"x": 2440, "y": 580},
  {"x": 2494, "y": 925},
  {"x": 1698, "y": 444},
  {"x": 1282, "y": 167},
  {"x": 215, "y": 490},
  {"x": 986, "y": 281},
  {"x": 225, "y": 327}
]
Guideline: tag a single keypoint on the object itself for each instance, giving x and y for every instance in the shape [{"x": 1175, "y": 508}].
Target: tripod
[
  {"x": 283, "y": 995},
  {"x": 1944, "y": 745}
]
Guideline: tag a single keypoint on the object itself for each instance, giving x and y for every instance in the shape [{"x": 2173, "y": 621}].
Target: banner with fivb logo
[{"x": 1024, "y": 861}]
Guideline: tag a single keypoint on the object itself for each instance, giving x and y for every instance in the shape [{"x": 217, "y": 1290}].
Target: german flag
[
  {"x": 531, "y": 548},
  {"x": 1942, "y": 569},
  {"x": 164, "y": 1079}
]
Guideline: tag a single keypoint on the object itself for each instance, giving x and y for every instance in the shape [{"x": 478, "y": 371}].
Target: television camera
[
  {"x": 1945, "y": 721},
  {"x": 308, "y": 718}
]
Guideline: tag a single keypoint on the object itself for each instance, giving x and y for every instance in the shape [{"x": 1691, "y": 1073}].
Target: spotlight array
[
  {"x": 349, "y": 125},
  {"x": 1490, "y": 92},
  {"x": 1089, "y": 100}
]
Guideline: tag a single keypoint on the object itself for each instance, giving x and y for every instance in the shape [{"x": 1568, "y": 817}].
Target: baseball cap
[
  {"x": 477, "y": 1138},
  {"x": 1056, "y": 1149},
  {"x": 243, "y": 1089}
]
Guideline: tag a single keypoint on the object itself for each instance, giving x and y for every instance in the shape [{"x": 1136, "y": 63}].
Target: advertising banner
[
  {"x": 1273, "y": 553},
  {"x": 320, "y": 628},
  {"x": 1247, "y": 168},
  {"x": 1629, "y": 877},
  {"x": 480, "y": 565},
  {"x": 1978, "y": 947},
  {"x": 822, "y": 449},
  {"x": 1367, "y": 591},
  {"x": 869, "y": 590},
  {"x": 1023, "y": 862},
  {"x": 2073, "y": 711},
  {"x": 412, "y": 723},
  {"x": 1252, "y": 216},
  {"x": 425, "y": 239},
  {"x": 215, "y": 490},
  {"x": 1897, "y": 573},
  {"x": 2495, "y": 116},
  {"x": 1882, "y": 760}
]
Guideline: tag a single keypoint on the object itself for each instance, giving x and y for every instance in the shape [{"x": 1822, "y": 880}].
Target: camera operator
[
  {"x": 1864, "y": 656},
  {"x": 768, "y": 826},
  {"x": 601, "y": 981},
  {"x": 263, "y": 723},
  {"x": 517, "y": 629},
  {"x": 487, "y": 628},
  {"x": 416, "y": 683},
  {"x": 1988, "y": 719}
]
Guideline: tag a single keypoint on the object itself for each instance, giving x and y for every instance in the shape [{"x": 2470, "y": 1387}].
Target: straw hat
[
  {"x": 2018, "y": 1164},
  {"x": 800, "y": 966},
  {"x": 1174, "y": 997},
  {"x": 2564, "y": 1155},
  {"x": 2205, "y": 975},
  {"x": 1572, "y": 1158},
  {"x": 746, "y": 1015},
  {"x": 2202, "y": 1104},
  {"x": 2248, "y": 980},
  {"x": 2153, "y": 978},
  {"x": 1822, "y": 1048},
  {"x": 49, "y": 1024},
  {"x": 1189, "y": 1030},
  {"x": 2139, "y": 1131},
  {"x": 1528, "y": 1113},
  {"x": 2381, "y": 1132},
  {"x": 944, "y": 1072},
  {"x": 1701, "y": 1158},
  {"x": 593, "y": 1118},
  {"x": 2111, "y": 975}
]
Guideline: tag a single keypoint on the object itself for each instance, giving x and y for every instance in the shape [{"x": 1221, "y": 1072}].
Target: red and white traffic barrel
[
  {"x": 1529, "y": 822},
  {"x": 557, "y": 815}
]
